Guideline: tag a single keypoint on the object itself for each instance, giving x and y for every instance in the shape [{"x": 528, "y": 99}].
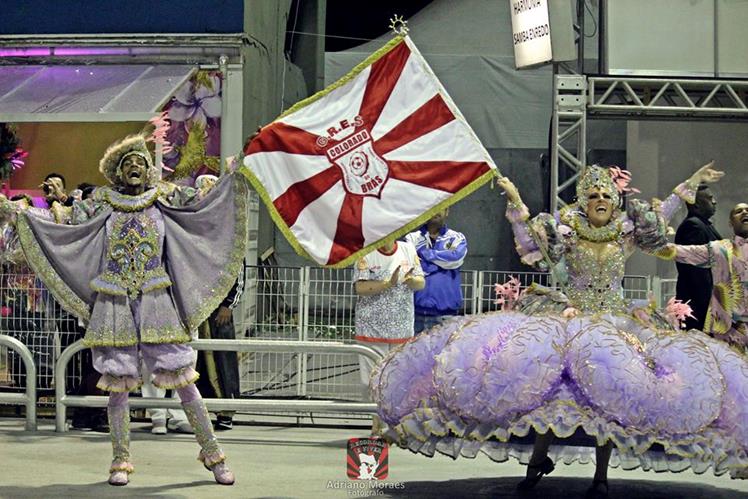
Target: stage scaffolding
[{"x": 577, "y": 98}]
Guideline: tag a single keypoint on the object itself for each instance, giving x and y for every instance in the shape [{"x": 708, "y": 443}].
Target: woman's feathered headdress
[{"x": 612, "y": 180}]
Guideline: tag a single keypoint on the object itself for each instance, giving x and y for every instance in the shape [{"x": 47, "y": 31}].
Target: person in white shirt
[{"x": 385, "y": 281}]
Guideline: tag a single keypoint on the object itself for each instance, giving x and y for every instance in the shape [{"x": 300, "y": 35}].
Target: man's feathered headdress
[{"x": 111, "y": 163}]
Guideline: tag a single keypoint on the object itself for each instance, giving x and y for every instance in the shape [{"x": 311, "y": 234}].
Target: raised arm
[
  {"x": 10, "y": 248},
  {"x": 518, "y": 215},
  {"x": 528, "y": 247},
  {"x": 9, "y": 210},
  {"x": 178, "y": 195},
  {"x": 686, "y": 191}
]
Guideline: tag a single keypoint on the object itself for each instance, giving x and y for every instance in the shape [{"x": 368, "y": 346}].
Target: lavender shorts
[{"x": 126, "y": 361}]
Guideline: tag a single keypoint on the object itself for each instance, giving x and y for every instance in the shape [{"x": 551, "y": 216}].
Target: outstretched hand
[
  {"x": 707, "y": 174},
  {"x": 512, "y": 194}
]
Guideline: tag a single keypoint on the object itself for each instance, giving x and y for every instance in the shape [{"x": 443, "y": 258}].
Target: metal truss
[
  {"x": 568, "y": 134},
  {"x": 577, "y": 97},
  {"x": 667, "y": 98}
]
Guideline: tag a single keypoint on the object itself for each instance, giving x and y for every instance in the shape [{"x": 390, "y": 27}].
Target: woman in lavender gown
[
  {"x": 143, "y": 263},
  {"x": 583, "y": 358}
]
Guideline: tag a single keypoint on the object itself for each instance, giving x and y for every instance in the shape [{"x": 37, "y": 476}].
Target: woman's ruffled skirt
[{"x": 668, "y": 401}]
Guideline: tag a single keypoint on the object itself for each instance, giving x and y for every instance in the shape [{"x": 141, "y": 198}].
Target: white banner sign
[{"x": 531, "y": 32}]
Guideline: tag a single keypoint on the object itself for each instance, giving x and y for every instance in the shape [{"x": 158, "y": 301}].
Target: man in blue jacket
[{"x": 442, "y": 252}]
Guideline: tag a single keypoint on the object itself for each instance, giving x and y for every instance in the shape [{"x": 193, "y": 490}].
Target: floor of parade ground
[{"x": 284, "y": 462}]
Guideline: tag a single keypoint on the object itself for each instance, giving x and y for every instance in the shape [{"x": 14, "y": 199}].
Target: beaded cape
[{"x": 202, "y": 251}]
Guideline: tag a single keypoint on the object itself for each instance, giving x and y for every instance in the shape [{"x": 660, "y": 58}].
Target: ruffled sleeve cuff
[
  {"x": 667, "y": 252},
  {"x": 61, "y": 214},
  {"x": 532, "y": 258},
  {"x": 687, "y": 191},
  {"x": 183, "y": 196},
  {"x": 517, "y": 212}
]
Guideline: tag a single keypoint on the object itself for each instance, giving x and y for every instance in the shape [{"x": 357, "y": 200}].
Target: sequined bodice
[
  {"x": 133, "y": 258},
  {"x": 595, "y": 272},
  {"x": 134, "y": 242}
]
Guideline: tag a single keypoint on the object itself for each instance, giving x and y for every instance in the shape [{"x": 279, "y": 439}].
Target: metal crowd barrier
[
  {"x": 29, "y": 398},
  {"x": 63, "y": 400},
  {"x": 663, "y": 289}
]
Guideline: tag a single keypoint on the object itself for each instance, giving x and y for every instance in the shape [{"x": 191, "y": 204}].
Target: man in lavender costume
[{"x": 143, "y": 264}]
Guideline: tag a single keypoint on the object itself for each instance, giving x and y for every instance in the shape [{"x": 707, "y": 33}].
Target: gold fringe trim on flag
[
  {"x": 420, "y": 220},
  {"x": 277, "y": 218},
  {"x": 350, "y": 259}
]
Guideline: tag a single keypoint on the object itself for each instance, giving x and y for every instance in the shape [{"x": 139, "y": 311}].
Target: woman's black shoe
[
  {"x": 598, "y": 489},
  {"x": 537, "y": 470}
]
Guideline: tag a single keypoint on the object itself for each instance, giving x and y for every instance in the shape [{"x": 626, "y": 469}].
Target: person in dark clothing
[
  {"x": 219, "y": 371},
  {"x": 694, "y": 283},
  {"x": 85, "y": 189},
  {"x": 54, "y": 190},
  {"x": 85, "y": 418}
]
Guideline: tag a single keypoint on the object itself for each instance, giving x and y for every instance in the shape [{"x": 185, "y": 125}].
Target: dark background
[
  {"x": 363, "y": 19},
  {"x": 367, "y": 20},
  {"x": 120, "y": 16}
]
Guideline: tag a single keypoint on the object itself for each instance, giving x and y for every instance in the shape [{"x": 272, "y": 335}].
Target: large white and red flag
[{"x": 367, "y": 159}]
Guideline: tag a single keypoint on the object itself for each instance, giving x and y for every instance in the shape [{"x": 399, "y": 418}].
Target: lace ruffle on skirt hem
[
  {"x": 428, "y": 432},
  {"x": 669, "y": 401}
]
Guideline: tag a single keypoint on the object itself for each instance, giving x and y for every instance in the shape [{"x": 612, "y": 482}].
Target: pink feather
[
  {"x": 18, "y": 158},
  {"x": 161, "y": 124},
  {"x": 508, "y": 293},
  {"x": 621, "y": 178},
  {"x": 676, "y": 312}
]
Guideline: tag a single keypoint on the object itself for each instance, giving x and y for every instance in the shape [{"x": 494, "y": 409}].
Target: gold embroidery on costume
[
  {"x": 43, "y": 268},
  {"x": 228, "y": 275},
  {"x": 133, "y": 258}
]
